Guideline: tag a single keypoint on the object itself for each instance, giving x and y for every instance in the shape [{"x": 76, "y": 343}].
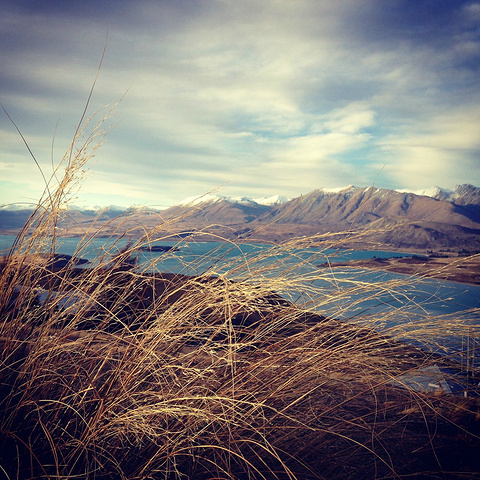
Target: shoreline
[{"x": 448, "y": 268}]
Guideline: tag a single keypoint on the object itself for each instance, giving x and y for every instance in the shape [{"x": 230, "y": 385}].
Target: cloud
[
  {"x": 439, "y": 152},
  {"x": 279, "y": 96},
  {"x": 351, "y": 119}
]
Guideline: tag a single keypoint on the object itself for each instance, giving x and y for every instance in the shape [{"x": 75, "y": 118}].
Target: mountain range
[{"x": 437, "y": 219}]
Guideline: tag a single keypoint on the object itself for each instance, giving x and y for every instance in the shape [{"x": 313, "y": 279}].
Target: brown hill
[
  {"x": 394, "y": 219},
  {"x": 219, "y": 211},
  {"x": 362, "y": 206}
]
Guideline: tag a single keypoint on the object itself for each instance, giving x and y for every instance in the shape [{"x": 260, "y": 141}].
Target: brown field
[{"x": 452, "y": 268}]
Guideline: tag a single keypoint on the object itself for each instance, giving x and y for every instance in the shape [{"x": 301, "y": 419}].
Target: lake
[{"x": 426, "y": 312}]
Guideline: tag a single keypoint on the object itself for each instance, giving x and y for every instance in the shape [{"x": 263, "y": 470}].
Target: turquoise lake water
[{"x": 350, "y": 294}]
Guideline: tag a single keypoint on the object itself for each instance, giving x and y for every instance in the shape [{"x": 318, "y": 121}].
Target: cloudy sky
[{"x": 245, "y": 97}]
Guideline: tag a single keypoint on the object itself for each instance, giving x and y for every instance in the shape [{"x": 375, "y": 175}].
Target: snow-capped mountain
[
  {"x": 272, "y": 201},
  {"x": 212, "y": 198},
  {"x": 198, "y": 199},
  {"x": 400, "y": 219},
  {"x": 464, "y": 194},
  {"x": 15, "y": 207},
  {"x": 97, "y": 208},
  {"x": 432, "y": 218},
  {"x": 432, "y": 192},
  {"x": 362, "y": 206}
]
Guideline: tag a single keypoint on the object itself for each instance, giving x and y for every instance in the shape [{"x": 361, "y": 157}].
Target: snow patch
[
  {"x": 273, "y": 200},
  {"x": 211, "y": 198},
  {"x": 433, "y": 192},
  {"x": 197, "y": 200},
  {"x": 346, "y": 189}
]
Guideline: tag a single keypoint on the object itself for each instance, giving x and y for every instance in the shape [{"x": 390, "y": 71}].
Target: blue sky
[{"x": 248, "y": 98}]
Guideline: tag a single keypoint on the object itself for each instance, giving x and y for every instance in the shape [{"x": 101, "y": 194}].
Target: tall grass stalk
[{"x": 119, "y": 372}]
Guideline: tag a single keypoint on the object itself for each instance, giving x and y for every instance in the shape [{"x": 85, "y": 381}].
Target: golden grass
[{"x": 122, "y": 373}]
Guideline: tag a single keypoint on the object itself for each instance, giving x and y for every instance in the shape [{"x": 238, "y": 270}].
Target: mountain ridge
[
  {"x": 447, "y": 219},
  {"x": 462, "y": 194}
]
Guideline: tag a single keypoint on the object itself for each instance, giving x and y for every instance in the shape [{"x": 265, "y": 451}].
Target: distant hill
[
  {"x": 214, "y": 209},
  {"x": 363, "y": 206},
  {"x": 13, "y": 220},
  {"x": 441, "y": 219},
  {"x": 396, "y": 219}
]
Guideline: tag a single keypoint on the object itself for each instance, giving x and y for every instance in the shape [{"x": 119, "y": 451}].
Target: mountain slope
[
  {"x": 361, "y": 206},
  {"x": 216, "y": 210},
  {"x": 385, "y": 218},
  {"x": 462, "y": 195}
]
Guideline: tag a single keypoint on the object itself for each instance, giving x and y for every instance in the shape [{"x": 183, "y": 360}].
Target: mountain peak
[
  {"x": 198, "y": 199},
  {"x": 272, "y": 200},
  {"x": 212, "y": 198},
  {"x": 434, "y": 192}
]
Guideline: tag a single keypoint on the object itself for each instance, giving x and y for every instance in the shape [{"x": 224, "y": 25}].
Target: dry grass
[{"x": 121, "y": 373}]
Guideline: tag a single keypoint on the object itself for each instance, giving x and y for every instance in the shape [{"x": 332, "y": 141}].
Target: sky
[{"x": 240, "y": 97}]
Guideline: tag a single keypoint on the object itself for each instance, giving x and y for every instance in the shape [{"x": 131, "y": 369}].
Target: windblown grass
[{"x": 124, "y": 373}]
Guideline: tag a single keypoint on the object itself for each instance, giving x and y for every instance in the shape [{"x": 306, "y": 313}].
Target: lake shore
[{"x": 451, "y": 268}]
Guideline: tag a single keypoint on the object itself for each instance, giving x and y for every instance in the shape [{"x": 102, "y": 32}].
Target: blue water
[
  {"x": 388, "y": 299},
  {"x": 195, "y": 258}
]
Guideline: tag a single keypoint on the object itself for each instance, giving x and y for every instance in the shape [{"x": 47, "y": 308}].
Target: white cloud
[
  {"x": 439, "y": 153},
  {"x": 351, "y": 119},
  {"x": 418, "y": 166},
  {"x": 255, "y": 95},
  {"x": 309, "y": 150}
]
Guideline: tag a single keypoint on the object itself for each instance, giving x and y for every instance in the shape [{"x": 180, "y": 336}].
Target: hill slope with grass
[{"x": 119, "y": 373}]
